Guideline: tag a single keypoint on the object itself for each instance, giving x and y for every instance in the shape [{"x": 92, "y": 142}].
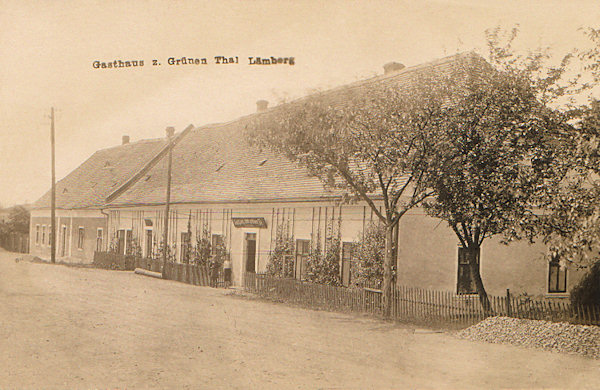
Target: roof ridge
[
  {"x": 140, "y": 141},
  {"x": 354, "y": 84}
]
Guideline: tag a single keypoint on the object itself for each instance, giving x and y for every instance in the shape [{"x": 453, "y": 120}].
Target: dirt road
[{"x": 64, "y": 327}]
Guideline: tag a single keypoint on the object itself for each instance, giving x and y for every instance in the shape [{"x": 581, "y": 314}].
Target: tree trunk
[
  {"x": 473, "y": 255},
  {"x": 387, "y": 270}
]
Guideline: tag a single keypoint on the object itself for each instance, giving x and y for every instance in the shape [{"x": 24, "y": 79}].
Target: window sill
[{"x": 557, "y": 295}]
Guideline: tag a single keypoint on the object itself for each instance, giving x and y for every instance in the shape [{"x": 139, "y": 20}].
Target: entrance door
[
  {"x": 250, "y": 249},
  {"x": 63, "y": 250}
]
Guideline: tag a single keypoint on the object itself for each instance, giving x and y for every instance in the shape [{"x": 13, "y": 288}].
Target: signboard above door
[{"x": 249, "y": 222}]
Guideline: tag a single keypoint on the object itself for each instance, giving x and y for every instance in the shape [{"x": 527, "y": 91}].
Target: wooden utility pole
[
  {"x": 53, "y": 201},
  {"x": 166, "y": 247}
]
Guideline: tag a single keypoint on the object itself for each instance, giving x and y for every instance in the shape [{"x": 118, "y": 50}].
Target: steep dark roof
[
  {"x": 107, "y": 169},
  {"x": 215, "y": 164}
]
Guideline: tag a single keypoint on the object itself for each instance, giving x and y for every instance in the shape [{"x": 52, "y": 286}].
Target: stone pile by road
[{"x": 553, "y": 336}]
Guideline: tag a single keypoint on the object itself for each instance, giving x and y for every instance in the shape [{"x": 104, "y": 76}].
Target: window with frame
[
  {"x": 216, "y": 245},
  {"x": 302, "y": 252},
  {"x": 347, "y": 259},
  {"x": 465, "y": 284},
  {"x": 129, "y": 242},
  {"x": 43, "y": 234},
  {"x": 80, "y": 238},
  {"x": 185, "y": 247},
  {"x": 37, "y": 234},
  {"x": 99, "y": 239},
  {"x": 557, "y": 277}
]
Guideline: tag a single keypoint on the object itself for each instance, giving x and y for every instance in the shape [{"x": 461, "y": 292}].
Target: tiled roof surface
[
  {"x": 89, "y": 184},
  {"x": 216, "y": 164}
]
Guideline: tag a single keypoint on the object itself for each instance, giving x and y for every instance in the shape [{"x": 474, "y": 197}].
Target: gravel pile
[{"x": 552, "y": 336}]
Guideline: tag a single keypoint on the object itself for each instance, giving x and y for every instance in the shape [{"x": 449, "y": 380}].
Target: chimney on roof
[
  {"x": 125, "y": 140},
  {"x": 261, "y": 105},
  {"x": 170, "y": 131},
  {"x": 392, "y": 67}
]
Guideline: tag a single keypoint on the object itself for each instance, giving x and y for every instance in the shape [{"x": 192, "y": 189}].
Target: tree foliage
[
  {"x": 323, "y": 266},
  {"x": 369, "y": 254},
  {"x": 587, "y": 291},
  {"x": 18, "y": 221},
  {"x": 570, "y": 224}
]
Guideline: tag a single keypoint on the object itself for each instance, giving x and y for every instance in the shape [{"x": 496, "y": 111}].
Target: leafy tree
[
  {"x": 18, "y": 220},
  {"x": 500, "y": 140},
  {"x": 571, "y": 224},
  {"x": 372, "y": 143}
]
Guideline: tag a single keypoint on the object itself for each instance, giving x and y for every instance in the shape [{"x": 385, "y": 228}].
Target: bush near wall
[{"x": 587, "y": 291}]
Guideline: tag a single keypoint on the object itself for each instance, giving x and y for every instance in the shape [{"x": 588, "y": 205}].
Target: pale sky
[{"x": 47, "y": 49}]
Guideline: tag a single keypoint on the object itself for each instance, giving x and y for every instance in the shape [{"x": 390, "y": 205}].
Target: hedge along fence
[
  {"x": 415, "y": 304},
  {"x": 186, "y": 273}
]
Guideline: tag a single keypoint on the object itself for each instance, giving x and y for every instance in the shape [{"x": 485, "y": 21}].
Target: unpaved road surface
[{"x": 78, "y": 328}]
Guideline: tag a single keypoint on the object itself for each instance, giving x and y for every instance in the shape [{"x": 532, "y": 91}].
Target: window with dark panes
[
  {"x": 129, "y": 241},
  {"x": 302, "y": 252},
  {"x": 99, "y": 239},
  {"x": 37, "y": 234},
  {"x": 465, "y": 283},
  {"x": 80, "y": 238},
  {"x": 43, "y": 234},
  {"x": 557, "y": 277}
]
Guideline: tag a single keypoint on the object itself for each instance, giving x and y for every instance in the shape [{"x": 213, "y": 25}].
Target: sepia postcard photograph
[{"x": 277, "y": 194}]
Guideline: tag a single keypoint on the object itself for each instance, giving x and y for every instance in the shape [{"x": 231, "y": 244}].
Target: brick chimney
[
  {"x": 261, "y": 105},
  {"x": 392, "y": 67},
  {"x": 125, "y": 140},
  {"x": 170, "y": 131}
]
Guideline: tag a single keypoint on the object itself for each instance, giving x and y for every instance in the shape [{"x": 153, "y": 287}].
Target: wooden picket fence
[
  {"x": 186, "y": 273},
  {"x": 192, "y": 274},
  {"x": 417, "y": 305}
]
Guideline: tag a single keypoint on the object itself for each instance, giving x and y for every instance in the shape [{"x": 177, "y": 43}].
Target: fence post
[{"x": 508, "y": 309}]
